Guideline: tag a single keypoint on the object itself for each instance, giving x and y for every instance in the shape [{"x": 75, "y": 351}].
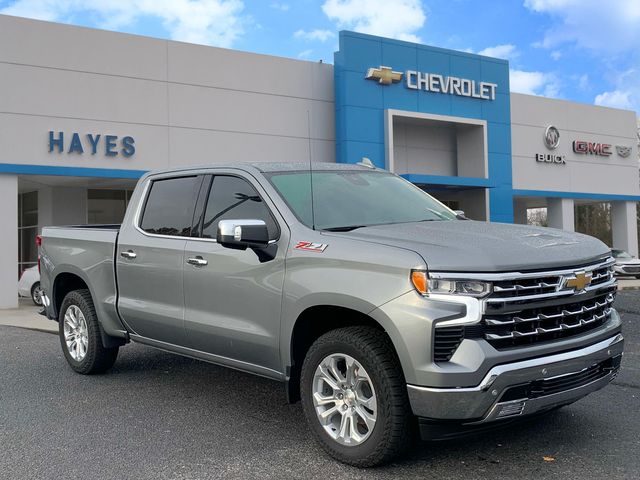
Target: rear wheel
[
  {"x": 80, "y": 337},
  {"x": 354, "y": 397},
  {"x": 36, "y": 294}
]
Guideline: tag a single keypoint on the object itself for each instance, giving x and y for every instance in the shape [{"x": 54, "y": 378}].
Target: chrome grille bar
[{"x": 541, "y": 316}]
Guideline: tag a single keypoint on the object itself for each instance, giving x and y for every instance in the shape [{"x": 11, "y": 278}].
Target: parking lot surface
[{"x": 158, "y": 415}]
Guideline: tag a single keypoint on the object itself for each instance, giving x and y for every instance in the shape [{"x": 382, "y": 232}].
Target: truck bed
[{"x": 88, "y": 252}]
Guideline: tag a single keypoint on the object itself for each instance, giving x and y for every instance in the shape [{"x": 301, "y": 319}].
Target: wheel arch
[
  {"x": 67, "y": 281},
  {"x": 64, "y": 283},
  {"x": 310, "y": 325}
]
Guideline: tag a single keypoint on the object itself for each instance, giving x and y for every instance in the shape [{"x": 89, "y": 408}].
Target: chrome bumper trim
[{"x": 478, "y": 402}]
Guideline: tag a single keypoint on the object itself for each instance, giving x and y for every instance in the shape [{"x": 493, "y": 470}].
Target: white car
[
  {"x": 626, "y": 264},
  {"x": 29, "y": 285}
]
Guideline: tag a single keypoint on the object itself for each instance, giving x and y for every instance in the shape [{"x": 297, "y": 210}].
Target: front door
[
  {"x": 233, "y": 297},
  {"x": 150, "y": 259}
]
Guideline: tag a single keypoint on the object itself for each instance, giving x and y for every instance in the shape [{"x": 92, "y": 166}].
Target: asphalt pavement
[{"x": 161, "y": 416}]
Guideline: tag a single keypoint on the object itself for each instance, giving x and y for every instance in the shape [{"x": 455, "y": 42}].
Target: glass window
[
  {"x": 27, "y": 230},
  {"x": 170, "y": 205},
  {"x": 345, "y": 200},
  {"x": 235, "y": 198},
  {"x": 28, "y": 249},
  {"x": 106, "y": 206},
  {"x": 29, "y": 209}
]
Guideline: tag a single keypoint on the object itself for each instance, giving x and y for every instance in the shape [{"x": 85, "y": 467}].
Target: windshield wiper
[{"x": 343, "y": 229}]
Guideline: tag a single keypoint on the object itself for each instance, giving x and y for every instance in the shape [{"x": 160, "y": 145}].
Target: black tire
[
  {"x": 638, "y": 277},
  {"x": 393, "y": 432},
  {"x": 36, "y": 299},
  {"x": 97, "y": 359}
]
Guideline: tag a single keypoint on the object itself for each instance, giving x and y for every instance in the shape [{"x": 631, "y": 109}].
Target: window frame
[
  {"x": 147, "y": 194},
  {"x": 203, "y": 200}
]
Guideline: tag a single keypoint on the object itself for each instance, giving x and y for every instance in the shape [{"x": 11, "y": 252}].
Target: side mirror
[
  {"x": 242, "y": 234},
  {"x": 460, "y": 214}
]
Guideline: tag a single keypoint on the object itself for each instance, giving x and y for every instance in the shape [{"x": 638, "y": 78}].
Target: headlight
[{"x": 471, "y": 288}]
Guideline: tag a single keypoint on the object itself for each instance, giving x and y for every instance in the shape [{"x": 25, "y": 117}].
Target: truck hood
[{"x": 471, "y": 246}]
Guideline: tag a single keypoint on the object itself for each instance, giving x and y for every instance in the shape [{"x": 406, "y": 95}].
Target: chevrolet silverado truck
[{"x": 383, "y": 311}]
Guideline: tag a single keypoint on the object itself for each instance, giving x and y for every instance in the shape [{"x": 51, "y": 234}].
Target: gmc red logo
[{"x": 591, "y": 148}]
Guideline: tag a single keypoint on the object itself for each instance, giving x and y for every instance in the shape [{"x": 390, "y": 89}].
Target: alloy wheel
[
  {"x": 344, "y": 399},
  {"x": 76, "y": 334}
]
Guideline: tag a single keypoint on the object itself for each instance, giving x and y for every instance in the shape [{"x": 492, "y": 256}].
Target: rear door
[
  {"x": 233, "y": 297},
  {"x": 150, "y": 259}
]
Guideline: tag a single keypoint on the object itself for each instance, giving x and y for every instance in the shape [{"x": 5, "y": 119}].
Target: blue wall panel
[{"x": 361, "y": 103}]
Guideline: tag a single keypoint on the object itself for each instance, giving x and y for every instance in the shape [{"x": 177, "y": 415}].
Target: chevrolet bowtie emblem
[
  {"x": 579, "y": 281},
  {"x": 384, "y": 75}
]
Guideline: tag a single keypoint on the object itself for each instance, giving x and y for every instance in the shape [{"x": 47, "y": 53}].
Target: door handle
[
  {"x": 197, "y": 261},
  {"x": 130, "y": 254}
]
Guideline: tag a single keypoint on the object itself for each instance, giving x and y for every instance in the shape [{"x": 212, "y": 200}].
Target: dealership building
[{"x": 84, "y": 113}]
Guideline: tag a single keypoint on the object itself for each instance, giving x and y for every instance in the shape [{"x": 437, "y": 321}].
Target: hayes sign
[
  {"x": 110, "y": 145},
  {"x": 431, "y": 82}
]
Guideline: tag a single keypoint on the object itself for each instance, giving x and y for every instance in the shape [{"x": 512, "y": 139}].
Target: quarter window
[
  {"x": 170, "y": 205},
  {"x": 235, "y": 198}
]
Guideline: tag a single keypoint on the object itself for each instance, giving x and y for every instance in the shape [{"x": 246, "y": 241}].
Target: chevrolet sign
[
  {"x": 463, "y": 87},
  {"x": 432, "y": 82}
]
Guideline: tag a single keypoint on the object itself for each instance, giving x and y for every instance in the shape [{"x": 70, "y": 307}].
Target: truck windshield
[{"x": 346, "y": 200}]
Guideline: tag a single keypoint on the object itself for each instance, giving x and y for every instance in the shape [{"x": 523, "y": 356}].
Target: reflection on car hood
[{"x": 470, "y": 246}]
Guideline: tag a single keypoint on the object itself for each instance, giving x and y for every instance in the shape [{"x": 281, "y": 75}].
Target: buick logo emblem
[{"x": 551, "y": 137}]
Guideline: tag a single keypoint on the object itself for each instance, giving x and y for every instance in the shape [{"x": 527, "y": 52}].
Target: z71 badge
[{"x": 311, "y": 247}]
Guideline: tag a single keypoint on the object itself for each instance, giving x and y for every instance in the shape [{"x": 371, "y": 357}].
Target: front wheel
[
  {"x": 80, "y": 337},
  {"x": 354, "y": 397}
]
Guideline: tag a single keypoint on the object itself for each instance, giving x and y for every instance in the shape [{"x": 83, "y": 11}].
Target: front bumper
[{"x": 522, "y": 388}]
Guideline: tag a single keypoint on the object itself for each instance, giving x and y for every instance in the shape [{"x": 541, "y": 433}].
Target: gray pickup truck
[{"x": 382, "y": 310}]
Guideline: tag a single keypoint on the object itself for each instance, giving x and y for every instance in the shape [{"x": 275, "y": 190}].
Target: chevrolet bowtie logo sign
[
  {"x": 579, "y": 281},
  {"x": 384, "y": 75}
]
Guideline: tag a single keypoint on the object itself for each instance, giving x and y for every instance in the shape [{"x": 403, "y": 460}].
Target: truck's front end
[{"x": 507, "y": 345}]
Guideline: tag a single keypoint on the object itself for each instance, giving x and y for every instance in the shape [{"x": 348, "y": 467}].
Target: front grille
[
  {"x": 541, "y": 324},
  {"x": 531, "y": 308},
  {"x": 541, "y": 307},
  {"x": 629, "y": 269}
]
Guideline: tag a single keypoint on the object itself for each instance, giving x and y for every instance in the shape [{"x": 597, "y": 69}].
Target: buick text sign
[{"x": 93, "y": 143}]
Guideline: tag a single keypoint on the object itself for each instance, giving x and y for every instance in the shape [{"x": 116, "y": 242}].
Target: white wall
[
  {"x": 9, "y": 250},
  {"x": 614, "y": 174},
  {"x": 429, "y": 149},
  {"x": 184, "y": 104}
]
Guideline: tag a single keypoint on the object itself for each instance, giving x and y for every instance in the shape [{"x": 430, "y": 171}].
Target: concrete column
[
  {"x": 624, "y": 226},
  {"x": 560, "y": 213},
  {"x": 519, "y": 212},
  {"x": 9, "y": 250}
]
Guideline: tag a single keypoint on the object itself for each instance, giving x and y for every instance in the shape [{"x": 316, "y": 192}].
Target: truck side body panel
[{"x": 87, "y": 253}]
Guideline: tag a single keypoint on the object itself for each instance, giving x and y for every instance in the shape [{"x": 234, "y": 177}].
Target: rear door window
[{"x": 170, "y": 205}]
